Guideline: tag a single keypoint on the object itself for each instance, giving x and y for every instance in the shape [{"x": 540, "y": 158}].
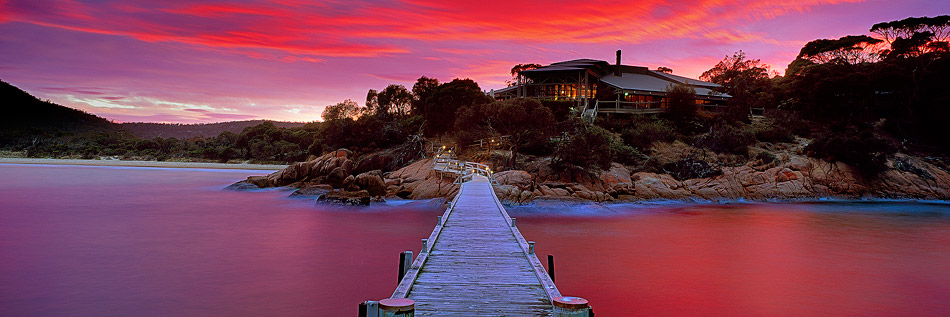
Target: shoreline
[{"x": 121, "y": 163}]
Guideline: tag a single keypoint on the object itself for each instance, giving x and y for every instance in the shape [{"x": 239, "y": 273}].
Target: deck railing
[{"x": 445, "y": 162}]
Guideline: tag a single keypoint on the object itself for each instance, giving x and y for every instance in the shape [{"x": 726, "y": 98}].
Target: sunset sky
[{"x": 206, "y": 61}]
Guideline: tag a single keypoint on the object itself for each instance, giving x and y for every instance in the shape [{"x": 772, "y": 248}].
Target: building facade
[{"x": 597, "y": 87}]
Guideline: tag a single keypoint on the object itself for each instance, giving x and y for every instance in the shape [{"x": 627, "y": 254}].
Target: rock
[
  {"x": 260, "y": 181},
  {"x": 617, "y": 174},
  {"x": 785, "y": 175},
  {"x": 404, "y": 193},
  {"x": 433, "y": 188},
  {"x": 336, "y": 177},
  {"x": 349, "y": 184},
  {"x": 798, "y": 163},
  {"x": 514, "y": 177},
  {"x": 346, "y": 198},
  {"x": 375, "y": 161},
  {"x": 312, "y": 191},
  {"x": 243, "y": 186},
  {"x": 372, "y": 181},
  {"x": 415, "y": 172},
  {"x": 525, "y": 196},
  {"x": 560, "y": 192},
  {"x": 291, "y": 174}
]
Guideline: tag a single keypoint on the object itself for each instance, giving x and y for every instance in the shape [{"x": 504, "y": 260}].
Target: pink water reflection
[{"x": 93, "y": 241}]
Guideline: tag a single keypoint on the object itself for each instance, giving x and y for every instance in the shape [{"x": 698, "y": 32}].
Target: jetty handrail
[
  {"x": 547, "y": 283},
  {"x": 464, "y": 170},
  {"x": 402, "y": 289}
]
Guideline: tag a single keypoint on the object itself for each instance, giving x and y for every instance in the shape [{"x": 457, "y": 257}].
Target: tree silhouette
[
  {"x": 746, "y": 80},
  {"x": 421, "y": 90},
  {"x": 346, "y": 109}
]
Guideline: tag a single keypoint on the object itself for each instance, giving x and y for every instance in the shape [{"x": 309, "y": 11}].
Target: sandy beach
[{"x": 139, "y": 163}]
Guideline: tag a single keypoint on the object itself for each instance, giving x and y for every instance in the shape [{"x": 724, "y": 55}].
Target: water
[{"x": 109, "y": 241}]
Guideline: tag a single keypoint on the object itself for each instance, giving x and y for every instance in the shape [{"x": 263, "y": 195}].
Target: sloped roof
[
  {"x": 647, "y": 83},
  {"x": 572, "y": 65},
  {"x": 687, "y": 80}
]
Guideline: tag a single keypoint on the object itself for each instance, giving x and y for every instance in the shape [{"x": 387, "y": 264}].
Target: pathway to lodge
[{"x": 475, "y": 262}]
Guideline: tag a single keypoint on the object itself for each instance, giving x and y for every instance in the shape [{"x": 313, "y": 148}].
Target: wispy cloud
[{"x": 164, "y": 60}]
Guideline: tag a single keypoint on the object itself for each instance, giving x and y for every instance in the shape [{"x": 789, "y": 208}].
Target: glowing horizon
[{"x": 200, "y": 61}]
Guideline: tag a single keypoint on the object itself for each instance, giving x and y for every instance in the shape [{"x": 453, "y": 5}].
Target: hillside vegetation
[{"x": 148, "y": 130}]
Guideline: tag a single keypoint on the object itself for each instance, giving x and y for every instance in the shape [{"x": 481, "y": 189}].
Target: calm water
[{"x": 155, "y": 242}]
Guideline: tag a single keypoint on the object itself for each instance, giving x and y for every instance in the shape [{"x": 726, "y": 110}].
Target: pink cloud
[{"x": 288, "y": 59}]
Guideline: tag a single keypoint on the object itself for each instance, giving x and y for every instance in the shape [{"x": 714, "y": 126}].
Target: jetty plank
[{"x": 478, "y": 265}]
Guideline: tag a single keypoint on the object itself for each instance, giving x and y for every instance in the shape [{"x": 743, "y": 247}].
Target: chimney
[{"x": 617, "y": 68}]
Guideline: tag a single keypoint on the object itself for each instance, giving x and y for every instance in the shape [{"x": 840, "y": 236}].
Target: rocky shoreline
[{"x": 334, "y": 177}]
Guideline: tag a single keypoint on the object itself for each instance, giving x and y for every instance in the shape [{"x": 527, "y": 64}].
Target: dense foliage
[{"x": 859, "y": 148}]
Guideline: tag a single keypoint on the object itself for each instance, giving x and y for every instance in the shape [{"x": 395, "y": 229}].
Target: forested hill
[
  {"x": 148, "y": 130},
  {"x": 23, "y": 112}
]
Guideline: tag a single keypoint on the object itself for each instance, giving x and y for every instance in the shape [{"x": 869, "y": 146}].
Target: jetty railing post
[
  {"x": 440, "y": 221},
  {"x": 513, "y": 222},
  {"x": 425, "y": 246},
  {"x": 369, "y": 308},
  {"x": 551, "y": 267},
  {"x": 405, "y": 261},
  {"x": 530, "y": 247}
]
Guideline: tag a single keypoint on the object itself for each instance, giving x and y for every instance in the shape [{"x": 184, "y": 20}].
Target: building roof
[
  {"x": 571, "y": 65},
  {"x": 686, "y": 80},
  {"x": 504, "y": 90},
  {"x": 635, "y": 78},
  {"x": 648, "y": 83}
]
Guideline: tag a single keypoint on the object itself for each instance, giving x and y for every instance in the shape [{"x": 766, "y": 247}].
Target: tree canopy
[
  {"x": 851, "y": 49},
  {"x": 746, "y": 80},
  {"x": 346, "y": 109},
  {"x": 441, "y": 106}
]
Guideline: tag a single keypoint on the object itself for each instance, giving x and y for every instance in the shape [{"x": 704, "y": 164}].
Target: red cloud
[{"x": 367, "y": 29}]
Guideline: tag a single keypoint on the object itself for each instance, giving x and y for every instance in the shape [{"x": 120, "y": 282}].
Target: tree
[
  {"x": 394, "y": 100},
  {"x": 664, "y": 69},
  {"x": 442, "y": 105},
  {"x": 346, "y": 109},
  {"x": 746, "y": 80},
  {"x": 939, "y": 26},
  {"x": 421, "y": 90},
  {"x": 851, "y": 49},
  {"x": 682, "y": 101},
  {"x": 519, "y": 68},
  {"x": 372, "y": 102},
  {"x": 521, "y": 119}
]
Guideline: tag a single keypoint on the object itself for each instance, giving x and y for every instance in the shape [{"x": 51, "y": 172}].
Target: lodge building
[{"x": 598, "y": 87}]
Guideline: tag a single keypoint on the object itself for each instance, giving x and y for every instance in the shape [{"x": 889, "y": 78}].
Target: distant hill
[
  {"x": 23, "y": 113},
  {"x": 147, "y": 130}
]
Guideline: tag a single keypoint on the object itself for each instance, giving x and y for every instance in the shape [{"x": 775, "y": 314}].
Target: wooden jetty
[{"x": 475, "y": 262}]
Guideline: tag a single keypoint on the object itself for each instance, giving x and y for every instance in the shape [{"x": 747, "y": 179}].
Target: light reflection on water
[{"x": 152, "y": 241}]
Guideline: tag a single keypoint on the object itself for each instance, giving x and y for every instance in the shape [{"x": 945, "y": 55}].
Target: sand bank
[{"x": 139, "y": 163}]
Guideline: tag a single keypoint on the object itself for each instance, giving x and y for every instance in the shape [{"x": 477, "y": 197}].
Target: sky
[{"x": 192, "y": 61}]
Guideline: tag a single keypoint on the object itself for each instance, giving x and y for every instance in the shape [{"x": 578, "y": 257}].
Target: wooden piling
[
  {"x": 570, "y": 306},
  {"x": 405, "y": 260},
  {"x": 392, "y": 307},
  {"x": 551, "y": 267}
]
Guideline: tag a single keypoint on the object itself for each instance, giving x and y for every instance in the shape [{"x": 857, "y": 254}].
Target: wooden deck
[{"x": 477, "y": 263}]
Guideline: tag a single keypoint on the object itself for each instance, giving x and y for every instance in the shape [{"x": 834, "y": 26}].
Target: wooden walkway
[{"x": 477, "y": 264}]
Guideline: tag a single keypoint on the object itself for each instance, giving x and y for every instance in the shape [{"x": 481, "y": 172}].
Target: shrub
[
  {"x": 765, "y": 157},
  {"x": 643, "y": 135},
  {"x": 690, "y": 168},
  {"x": 859, "y": 148},
  {"x": 728, "y": 139},
  {"x": 586, "y": 146},
  {"x": 773, "y": 133}
]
